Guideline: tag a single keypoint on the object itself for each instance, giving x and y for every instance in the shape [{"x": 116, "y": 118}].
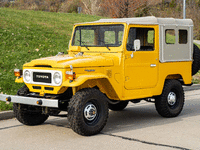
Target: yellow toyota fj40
[{"x": 109, "y": 63}]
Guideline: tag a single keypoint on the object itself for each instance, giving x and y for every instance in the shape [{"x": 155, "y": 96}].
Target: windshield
[{"x": 98, "y": 35}]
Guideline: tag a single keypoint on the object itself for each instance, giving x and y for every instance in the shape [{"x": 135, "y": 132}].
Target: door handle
[
  {"x": 132, "y": 55},
  {"x": 153, "y": 65}
]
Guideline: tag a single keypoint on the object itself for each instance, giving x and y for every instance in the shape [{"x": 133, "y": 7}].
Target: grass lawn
[{"x": 27, "y": 35}]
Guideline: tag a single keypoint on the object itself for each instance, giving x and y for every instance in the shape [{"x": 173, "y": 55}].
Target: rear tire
[
  {"x": 119, "y": 106},
  {"x": 196, "y": 60},
  {"x": 88, "y": 111},
  {"x": 170, "y": 102}
]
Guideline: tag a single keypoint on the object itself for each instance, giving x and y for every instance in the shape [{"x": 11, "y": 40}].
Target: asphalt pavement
[{"x": 137, "y": 127}]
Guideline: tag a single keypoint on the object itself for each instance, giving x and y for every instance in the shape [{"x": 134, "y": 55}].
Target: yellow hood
[{"x": 64, "y": 61}]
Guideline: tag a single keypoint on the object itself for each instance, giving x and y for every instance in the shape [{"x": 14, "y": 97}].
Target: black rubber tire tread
[
  {"x": 28, "y": 118},
  {"x": 23, "y": 91},
  {"x": 161, "y": 102},
  {"x": 119, "y": 106},
  {"x": 196, "y": 60},
  {"x": 76, "y": 107}
]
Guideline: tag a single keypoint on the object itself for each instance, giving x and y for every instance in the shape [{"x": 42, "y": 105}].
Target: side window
[
  {"x": 150, "y": 37},
  {"x": 170, "y": 37},
  {"x": 146, "y": 37},
  {"x": 183, "y": 37}
]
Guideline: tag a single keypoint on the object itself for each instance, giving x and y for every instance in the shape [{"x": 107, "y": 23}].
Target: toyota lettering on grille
[{"x": 42, "y": 77}]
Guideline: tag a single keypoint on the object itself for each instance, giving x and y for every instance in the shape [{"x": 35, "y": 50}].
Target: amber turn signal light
[
  {"x": 71, "y": 76},
  {"x": 39, "y": 102},
  {"x": 8, "y": 99},
  {"x": 18, "y": 72}
]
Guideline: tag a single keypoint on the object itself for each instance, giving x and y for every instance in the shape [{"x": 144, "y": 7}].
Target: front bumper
[{"x": 30, "y": 100}]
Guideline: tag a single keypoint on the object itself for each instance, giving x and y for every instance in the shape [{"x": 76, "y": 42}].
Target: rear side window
[
  {"x": 183, "y": 37},
  {"x": 170, "y": 37}
]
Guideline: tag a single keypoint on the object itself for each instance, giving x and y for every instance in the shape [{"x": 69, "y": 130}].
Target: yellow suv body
[{"x": 111, "y": 62}]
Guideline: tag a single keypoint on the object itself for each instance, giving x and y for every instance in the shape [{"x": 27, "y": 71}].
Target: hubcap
[
  {"x": 171, "y": 98},
  {"x": 90, "y": 112}
]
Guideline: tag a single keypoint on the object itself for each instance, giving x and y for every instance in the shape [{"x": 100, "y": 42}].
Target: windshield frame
[{"x": 99, "y": 39}]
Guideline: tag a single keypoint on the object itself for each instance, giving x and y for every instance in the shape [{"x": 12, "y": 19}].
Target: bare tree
[
  {"x": 121, "y": 8},
  {"x": 92, "y": 7}
]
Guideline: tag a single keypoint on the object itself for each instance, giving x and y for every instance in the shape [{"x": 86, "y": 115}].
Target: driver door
[{"x": 141, "y": 67}]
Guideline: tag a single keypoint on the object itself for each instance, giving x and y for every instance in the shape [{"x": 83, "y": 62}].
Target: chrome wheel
[
  {"x": 171, "y": 98},
  {"x": 90, "y": 112}
]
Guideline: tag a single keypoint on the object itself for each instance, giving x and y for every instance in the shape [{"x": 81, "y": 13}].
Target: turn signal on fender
[
  {"x": 70, "y": 75},
  {"x": 18, "y": 72}
]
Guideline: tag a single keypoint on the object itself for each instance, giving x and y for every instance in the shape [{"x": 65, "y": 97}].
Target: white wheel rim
[
  {"x": 90, "y": 112},
  {"x": 171, "y": 98}
]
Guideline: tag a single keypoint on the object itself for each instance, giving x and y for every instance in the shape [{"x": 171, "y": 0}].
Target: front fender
[
  {"x": 83, "y": 78},
  {"x": 19, "y": 80}
]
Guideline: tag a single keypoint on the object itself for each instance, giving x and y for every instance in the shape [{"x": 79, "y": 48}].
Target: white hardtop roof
[{"x": 149, "y": 20}]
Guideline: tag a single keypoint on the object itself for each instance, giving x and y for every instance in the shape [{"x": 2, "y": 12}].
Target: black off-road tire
[
  {"x": 25, "y": 116},
  {"x": 165, "y": 105},
  {"x": 82, "y": 101},
  {"x": 196, "y": 60},
  {"x": 119, "y": 106}
]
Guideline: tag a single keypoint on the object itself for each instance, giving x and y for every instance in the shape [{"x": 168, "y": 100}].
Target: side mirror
[{"x": 137, "y": 44}]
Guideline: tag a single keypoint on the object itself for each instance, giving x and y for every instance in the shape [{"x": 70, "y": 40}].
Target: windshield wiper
[
  {"x": 83, "y": 44},
  {"x": 104, "y": 44},
  {"x": 86, "y": 47},
  {"x": 107, "y": 47}
]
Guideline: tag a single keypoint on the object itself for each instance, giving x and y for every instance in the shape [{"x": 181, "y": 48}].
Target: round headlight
[
  {"x": 27, "y": 76},
  {"x": 57, "y": 78}
]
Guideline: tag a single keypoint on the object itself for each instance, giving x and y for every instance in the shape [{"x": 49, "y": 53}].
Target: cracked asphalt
[{"x": 137, "y": 127}]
